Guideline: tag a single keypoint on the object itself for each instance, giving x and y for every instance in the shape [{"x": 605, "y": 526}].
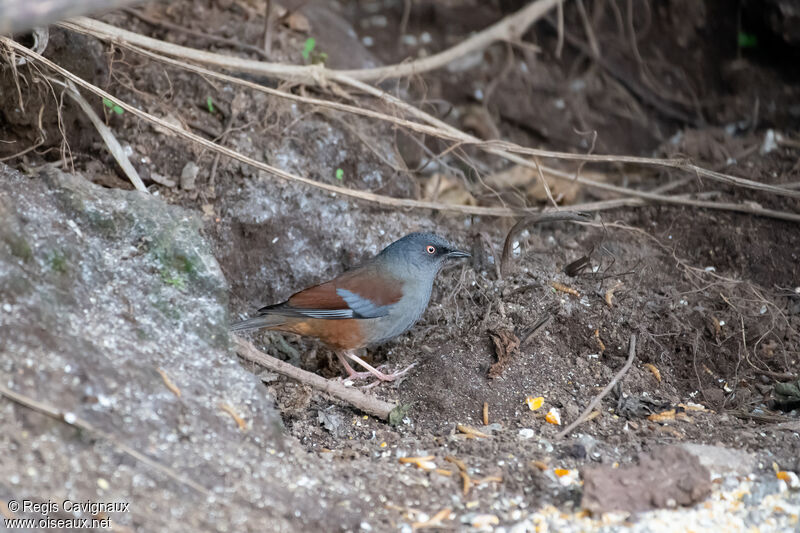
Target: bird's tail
[{"x": 257, "y": 322}]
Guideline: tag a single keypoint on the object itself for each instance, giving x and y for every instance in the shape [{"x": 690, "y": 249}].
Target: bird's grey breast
[{"x": 404, "y": 313}]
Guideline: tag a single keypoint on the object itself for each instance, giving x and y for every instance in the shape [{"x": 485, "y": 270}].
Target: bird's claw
[{"x": 388, "y": 377}]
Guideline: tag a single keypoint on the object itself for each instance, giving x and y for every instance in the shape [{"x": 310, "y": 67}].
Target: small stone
[
  {"x": 525, "y": 433},
  {"x": 189, "y": 176},
  {"x": 769, "y": 143},
  {"x": 162, "y": 180},
  {"x": 578, "y": 451}
]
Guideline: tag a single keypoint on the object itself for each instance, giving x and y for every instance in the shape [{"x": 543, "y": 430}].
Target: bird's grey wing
[{"x": 363, "y": 307}]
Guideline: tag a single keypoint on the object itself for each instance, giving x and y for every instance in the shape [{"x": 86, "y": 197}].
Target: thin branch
[
  {"x": 560, "y": 43},
  {"x": 596, "y": 401},
  {"x": 551, "y": 216},
  {"x": 268, "y": 29},
  {"x": 507, "y": 29},
  {"x": 108, "y": 136},
  {"x": 318, "y": 75},
  {"x": 587, "y": 27},
  {"x": 368, "y": 404},
  {"x": 750, "y": 208},
  {"x": 72, "y": 420}
]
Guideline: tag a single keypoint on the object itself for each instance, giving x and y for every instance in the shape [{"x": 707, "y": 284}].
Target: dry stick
[
  {"x": 368, "y": 404},
  {"x": 536, "y": 328},
  {"x": 552, "y": 216},
  {"x": 441, "y": 129},
  {"x": 362, "y": 195},
  {"x": 384, "y": 200},
  {"x": 560, "y": 43},
  {"x": 108, "y": 136},
  {"x": 268, "y": 29},
  {"x": 72, "y": 420},
  {"x": 508, "y": 29},
  {"x": 495, "y": 258},
  {"x": 641, "y": 91},
  {"x": 587, "y": 27},
  {"x": 432, "y": 130},
  {"x": 509, "y": 150},
  {"x": 594, "y": 403},
  {"x": 749, "y": 208}
]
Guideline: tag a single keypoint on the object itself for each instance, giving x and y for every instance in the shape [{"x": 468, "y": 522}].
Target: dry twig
[
  {"x": 530, "y": 221},
  {"x": 538, "y": 326},
  {"x": 108, "y": 136},
  {"x": 597, "y": 399},
  {"x": 750, "y": 208},
  {"x": 368, "y": 404},
  {"x": 509, "y": 28},
  {"x": 318, "y": 75}
]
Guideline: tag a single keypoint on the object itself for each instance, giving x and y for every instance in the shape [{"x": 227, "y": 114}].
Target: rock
[
  {"x": 189, "y": 176},
  {"x": 667, "y": 477},
  {"x": 113, "y": 312},
  {"x": 162, "y": 180},
  {"x": 336, "y": 37},
  {"x": 577, "y": 451},
  {"x": 720, "y": 460}
]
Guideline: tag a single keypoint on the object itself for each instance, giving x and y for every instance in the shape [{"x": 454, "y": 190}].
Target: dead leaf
[
  {"x": 563, "y": 288},
  {"x": 663, "y": 416},
  {"x": 469, "y": 430},
  {"x": 652, "y": 368},
  {"x": 506, "y": 345},
  {"x": 448, "y": 190},
  {"x": 609, "y": 296},
  {"x": 526, "y": 179},
  {"x": 297, "y": 22}
]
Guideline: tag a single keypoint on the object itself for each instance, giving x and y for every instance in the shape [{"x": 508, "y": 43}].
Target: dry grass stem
[
  {"x": 597, "y": 399},
  {"x": 109, "y": 139},
  {"x": 318, "y": 75},
  {"x": 750, "y": 208}
]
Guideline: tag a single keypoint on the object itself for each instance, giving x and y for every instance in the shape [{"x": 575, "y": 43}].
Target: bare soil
[{"x": 711, "y": 295}]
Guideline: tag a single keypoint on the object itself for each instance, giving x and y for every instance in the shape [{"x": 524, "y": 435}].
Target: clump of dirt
[{"x": 610, "y": 489}]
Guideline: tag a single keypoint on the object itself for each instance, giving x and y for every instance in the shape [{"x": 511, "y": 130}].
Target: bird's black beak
[{"x": 457, "y": 253}]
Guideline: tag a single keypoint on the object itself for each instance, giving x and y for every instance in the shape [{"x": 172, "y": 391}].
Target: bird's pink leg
[
  {"x": 352, "y": 374},
  {"x": 374, "y": 371}
]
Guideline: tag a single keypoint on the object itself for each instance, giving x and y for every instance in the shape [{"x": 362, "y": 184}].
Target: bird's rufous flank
[{"x": 365, "y": 306}]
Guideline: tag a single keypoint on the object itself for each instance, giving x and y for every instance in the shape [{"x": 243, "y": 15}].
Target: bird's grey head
[{"x": 421, "y": 252}]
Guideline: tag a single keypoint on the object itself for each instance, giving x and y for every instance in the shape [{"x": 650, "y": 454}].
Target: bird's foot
[
  {"x": 371, "y": 371},
  {"x": 353, "y": 375},
  {"x": 388, "y": 377}
]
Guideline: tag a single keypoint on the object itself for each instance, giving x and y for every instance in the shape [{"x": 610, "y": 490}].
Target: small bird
[{"x": 365, "y": 306}]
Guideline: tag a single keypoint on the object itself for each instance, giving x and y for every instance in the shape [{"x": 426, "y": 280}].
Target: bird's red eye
[{"x": 431, "y": 249}]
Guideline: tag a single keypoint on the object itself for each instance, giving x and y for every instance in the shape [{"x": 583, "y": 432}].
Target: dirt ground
[{"x": 713, "y": 296}]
